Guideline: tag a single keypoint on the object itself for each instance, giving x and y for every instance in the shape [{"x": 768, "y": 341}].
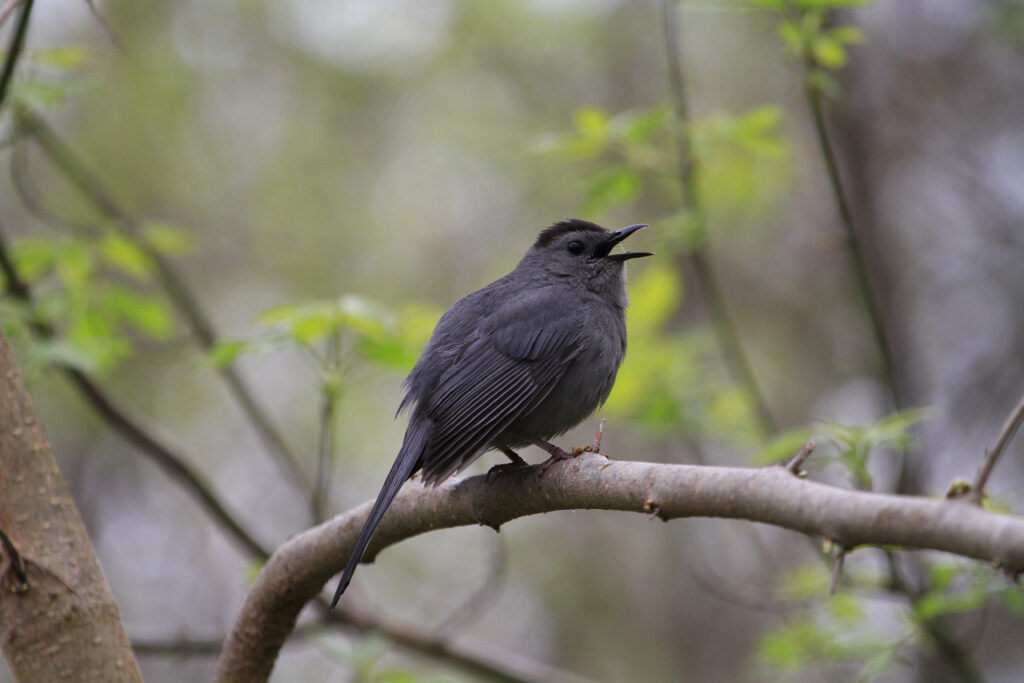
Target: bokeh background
[{"x": 407, "y": 152}]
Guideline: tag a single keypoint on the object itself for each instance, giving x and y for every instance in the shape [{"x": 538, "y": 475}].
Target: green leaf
[
  {"x": 126, "y": 256},
  {"x": 146, "y": 313},
  {"x": 829, "y": 53},
  {"x": 75, "y": 264},
  {"x": 848, "y": 35},
  {"x": 68, "y": 57},
  {"x": 642, "y": 125},
  {"x": 390, "y": 353},
  {"x": 806, "y": 582},
  {"x": 942, "y": 574},
  {"x": 592, "y": 124},
  {"x": 167, "y": 239},
  {"x": 224, "y": 353},
  {"x": 34, "y": 257},
  {"x": 845, "y": 608}
]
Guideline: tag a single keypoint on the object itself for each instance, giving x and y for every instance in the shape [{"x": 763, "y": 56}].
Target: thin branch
[
  {"x": 6, "y": 10},
  {"x": 1010, "y": 427},
  {"x": 861, "y": 276},
  {"x": 328, "y": 428},
  {"x": 298, "y": 570},
  {"x": 725, "y": 332},
  {"x": 14, "y": 47},
  {"x": 796, "y": 464},
  {"x": 102, "y": 21},
  {"x": 93, "y": 187}
]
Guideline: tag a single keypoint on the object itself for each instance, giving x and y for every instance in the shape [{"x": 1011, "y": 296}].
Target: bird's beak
[{"x": 603, "y": 249}]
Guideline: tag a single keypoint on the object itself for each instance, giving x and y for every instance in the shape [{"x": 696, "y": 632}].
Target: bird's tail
[{"x": 405, "y": 464}]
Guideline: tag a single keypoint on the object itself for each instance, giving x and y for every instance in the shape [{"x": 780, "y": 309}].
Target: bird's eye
[{"x": 575, "y": 247}]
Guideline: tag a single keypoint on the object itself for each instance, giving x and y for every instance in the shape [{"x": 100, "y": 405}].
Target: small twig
[
  {"x": 12, "y": 562},
  {"x": 798, "y": 460},
  {"x": 1010, "y": 427},
  {"x": 837, "y": 570},
  {"x": 6, "y": 10},
  {"x": 102, "y": 21},
  {"x": 328, "y": 429},
  {"x": 735, "y": 358},
  {"x": 15, "y": 46},
  {"x": 21, "y": 180},
  {"x": 599, "y": 435}
]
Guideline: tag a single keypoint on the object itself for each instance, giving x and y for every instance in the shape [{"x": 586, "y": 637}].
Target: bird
[{"x": 521, "y": 361}]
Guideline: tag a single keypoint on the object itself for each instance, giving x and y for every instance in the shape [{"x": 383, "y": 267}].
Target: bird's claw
[{"x": 557, "y": 455}]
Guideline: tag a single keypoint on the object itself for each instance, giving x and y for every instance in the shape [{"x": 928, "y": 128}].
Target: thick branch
[
  {"x": 298, "y": 570},
  {"x": 56, "y": 611}
]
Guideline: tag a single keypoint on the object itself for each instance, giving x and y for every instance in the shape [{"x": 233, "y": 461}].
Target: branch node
[
  {"x": 12, "y": 563},
  {"x": 800, "y": 458},
  {"x": 958, "y": 489},
  {"x": 654, "y": 510}
]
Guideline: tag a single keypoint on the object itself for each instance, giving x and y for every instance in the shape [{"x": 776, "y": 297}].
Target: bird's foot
[{"x": 557, "y": 455}]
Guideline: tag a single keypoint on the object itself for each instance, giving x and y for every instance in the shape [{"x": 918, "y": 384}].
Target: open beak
[{"x": 603, "y": 249}]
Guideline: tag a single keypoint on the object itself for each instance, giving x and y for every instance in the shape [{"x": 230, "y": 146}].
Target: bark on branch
[
  {"x": 298, "y": 570},
  {"x": 58, "y": 619}
]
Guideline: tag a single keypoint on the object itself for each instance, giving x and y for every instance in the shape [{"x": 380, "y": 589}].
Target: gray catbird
[{"x": 524, "y": 359}]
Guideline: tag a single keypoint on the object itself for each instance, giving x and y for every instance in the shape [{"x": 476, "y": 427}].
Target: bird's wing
[{"x": 502, "y": 372}]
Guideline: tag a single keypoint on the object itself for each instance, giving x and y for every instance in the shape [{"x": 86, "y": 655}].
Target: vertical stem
[
  {"x": 858, "y": 262},
  {"x": 721, "y": 323},
  {"x": 328, "y": 428},
  {"x": 14, "y": 49}
]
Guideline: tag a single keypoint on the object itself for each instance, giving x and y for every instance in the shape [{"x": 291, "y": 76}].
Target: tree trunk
[{"x": 58, "y": 619}]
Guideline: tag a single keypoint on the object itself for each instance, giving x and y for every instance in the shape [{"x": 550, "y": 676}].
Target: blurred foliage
[
  {"x": 860, "y": 633},
  {"x": 96, "y": 292},
  {"x": 364, "y": 330}
]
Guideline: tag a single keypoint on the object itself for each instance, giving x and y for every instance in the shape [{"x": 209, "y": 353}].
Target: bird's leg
[
  {"x": 516, "y": 462},
  {"x": 556, "y": 453}
]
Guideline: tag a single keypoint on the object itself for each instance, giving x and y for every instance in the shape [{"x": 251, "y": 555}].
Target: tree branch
[
  {"x": 1010, "y": 427},
  {"x": 298, "y": 570},
  {"x": 15, "y": 46}
]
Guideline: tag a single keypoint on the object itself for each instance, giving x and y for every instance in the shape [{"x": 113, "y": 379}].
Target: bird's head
[{"x": 583, "y": 251}]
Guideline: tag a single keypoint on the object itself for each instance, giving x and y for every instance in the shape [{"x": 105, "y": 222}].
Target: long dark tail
[{"x": 412, "y": 448}]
